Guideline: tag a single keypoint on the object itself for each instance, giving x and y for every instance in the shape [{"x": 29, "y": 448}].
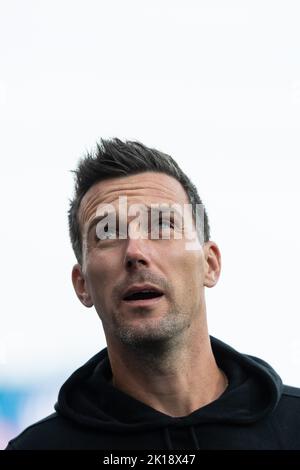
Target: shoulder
[
  {"x": 40, "y": 435},
  {"x": 287, "y": 411},
  {"x": 289, "y": 401},
  {"x": 290, "y": 391},
  {"x": 285, "y": 418}
]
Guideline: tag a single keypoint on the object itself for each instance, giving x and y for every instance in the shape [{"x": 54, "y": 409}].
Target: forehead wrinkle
[
  {"x": 128, "y": 187},
  {"x": 106, "y": 196}
]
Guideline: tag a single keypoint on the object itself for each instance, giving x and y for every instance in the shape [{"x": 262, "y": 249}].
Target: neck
[{"x": 174, "y": 381}]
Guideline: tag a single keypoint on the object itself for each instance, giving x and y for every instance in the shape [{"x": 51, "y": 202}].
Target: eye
[
  {"x": 106, "y": 234},
  {"x": 166, "y": 222}
]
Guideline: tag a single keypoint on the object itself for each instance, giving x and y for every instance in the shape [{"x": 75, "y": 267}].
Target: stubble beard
[{"x": 156, "y": 338}]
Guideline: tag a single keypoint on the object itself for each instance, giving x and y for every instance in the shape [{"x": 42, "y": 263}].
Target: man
[{"x": 162, "y": 382}]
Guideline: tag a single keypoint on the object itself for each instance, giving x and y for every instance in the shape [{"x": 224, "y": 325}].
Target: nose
[{"x": 136, "y": 255}]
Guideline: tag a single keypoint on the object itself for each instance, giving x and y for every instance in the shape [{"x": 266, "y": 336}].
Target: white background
[{"x": 216, "y": 85}]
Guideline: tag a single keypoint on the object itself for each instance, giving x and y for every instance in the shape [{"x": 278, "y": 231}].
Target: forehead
[{"x": 142, "y": 187}]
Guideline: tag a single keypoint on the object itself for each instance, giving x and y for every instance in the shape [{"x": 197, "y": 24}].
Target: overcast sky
[{"x": 216, "y": 85}]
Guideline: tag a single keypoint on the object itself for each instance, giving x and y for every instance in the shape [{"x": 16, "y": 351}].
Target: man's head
[
  {"x": 109, "y": 270},
  {"x": 116, "y": 159}
]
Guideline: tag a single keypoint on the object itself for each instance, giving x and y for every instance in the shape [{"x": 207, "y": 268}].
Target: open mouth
[{"x": 142, "y": 295}]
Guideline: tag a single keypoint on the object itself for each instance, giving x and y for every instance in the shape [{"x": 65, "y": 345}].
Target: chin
[{"x": 150, "y": 335}]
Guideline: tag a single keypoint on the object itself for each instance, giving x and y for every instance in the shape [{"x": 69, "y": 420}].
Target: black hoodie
[{"x": 255, "y": 412}]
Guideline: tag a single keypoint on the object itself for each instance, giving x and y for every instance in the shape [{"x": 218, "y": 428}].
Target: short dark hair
[{"x": 114, "y": 158}]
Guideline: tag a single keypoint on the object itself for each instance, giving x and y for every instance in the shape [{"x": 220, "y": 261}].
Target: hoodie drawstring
[
  {"x": 194, "y": 437},
  {"x": 168, "y": 438}
]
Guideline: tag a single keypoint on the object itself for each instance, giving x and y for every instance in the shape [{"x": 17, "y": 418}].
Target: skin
[{"x": 160, "y": 354}]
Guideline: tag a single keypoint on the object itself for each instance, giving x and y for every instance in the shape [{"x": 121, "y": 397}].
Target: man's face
[{"x": 111, "y": 267}]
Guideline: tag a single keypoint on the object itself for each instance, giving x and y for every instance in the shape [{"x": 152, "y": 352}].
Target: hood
[{"x": 88, "y": 398}]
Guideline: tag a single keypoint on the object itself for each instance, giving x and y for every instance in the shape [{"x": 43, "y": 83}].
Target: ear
[
  {"x": 212, "y": 264},
  {"x": 80, "y": 286}
]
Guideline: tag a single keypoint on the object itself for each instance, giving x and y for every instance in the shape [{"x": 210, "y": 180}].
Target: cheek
[
  {"x": 187, "y": 269},
  {"x": 100, "y": 274}
]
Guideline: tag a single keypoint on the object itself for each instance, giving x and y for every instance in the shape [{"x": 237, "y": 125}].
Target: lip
[
  {"x": 143, "y": 302},
  {"x": 138, "y": 288}
]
